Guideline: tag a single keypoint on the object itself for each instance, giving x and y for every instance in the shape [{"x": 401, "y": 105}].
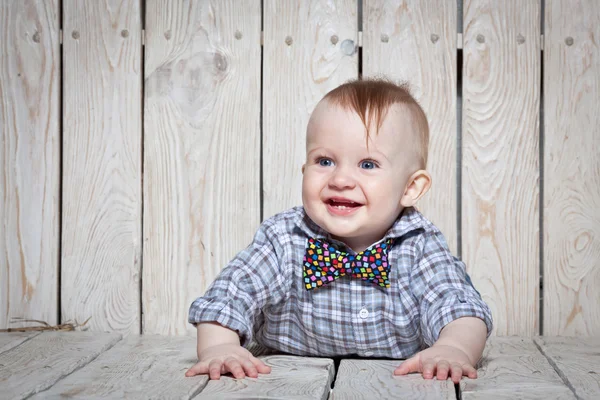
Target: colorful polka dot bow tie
[{"x": 323, "y": 263}]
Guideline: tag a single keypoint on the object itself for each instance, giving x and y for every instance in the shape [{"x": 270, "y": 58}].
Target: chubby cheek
[
  {"x": 384, "y": 195},
  {"x": 311, "y": 188}
]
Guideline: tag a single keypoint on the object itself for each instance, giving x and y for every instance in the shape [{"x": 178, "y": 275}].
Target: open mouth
[{"x": 342, "y": 206}]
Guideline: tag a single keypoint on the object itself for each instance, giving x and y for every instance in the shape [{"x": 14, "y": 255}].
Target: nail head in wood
[
  {"x": 168, "y": 35},
  {"x": 289, "y": 40},
  {"x": 334, "y": 39},
  {"x": 385, "y": 38},
  {"x": 36, "y": 37},
  {"x": 75, "y": 35},
  {"x": 480, "y": 38},
  {"x": 434, "y": 38},
  {"x": 124, "y": 33},
  {"x": 569, "y": 41},
  {"x": 348, "y": 47},
  {"x": 238, "y": 35},
  {"x": 520, "y": 39}
]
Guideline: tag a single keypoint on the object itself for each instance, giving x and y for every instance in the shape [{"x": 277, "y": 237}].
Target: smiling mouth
[{"x": 342, "y": 206}]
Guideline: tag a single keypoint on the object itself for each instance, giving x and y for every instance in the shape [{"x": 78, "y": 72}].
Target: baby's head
[{"x": 366, "y": 153}]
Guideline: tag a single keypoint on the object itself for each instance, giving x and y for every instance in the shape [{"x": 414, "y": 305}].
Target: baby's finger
[
  {"x": 428, "y": 368},
  {"x": 214, "y": 369},
  {"x": 456, "y": 372},
  {"x": 197, "y": 369},
  {"x": 442, "y": 370},
  {"x": 469, "y": 371},
  {"x": 260, "y": 365},
  {"x": 408, "y": 366},
  {"x": 249, "y": 368},
  {"x": 234, "y": 367}
]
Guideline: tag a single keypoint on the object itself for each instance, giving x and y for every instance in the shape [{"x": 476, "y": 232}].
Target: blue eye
[
  {"x": 368, "y": 165},
  {"x": 325, "y": 162}
]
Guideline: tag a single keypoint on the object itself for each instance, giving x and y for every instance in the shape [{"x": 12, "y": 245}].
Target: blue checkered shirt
[{"x": 261, "y": 293}]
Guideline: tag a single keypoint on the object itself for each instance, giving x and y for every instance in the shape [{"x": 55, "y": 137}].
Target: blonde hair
[{"x": 371, "y": 99}]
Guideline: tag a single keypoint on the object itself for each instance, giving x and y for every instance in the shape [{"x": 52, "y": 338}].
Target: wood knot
[
  {"x": 520, "y": 39},
  {"x": 124, "y": 33},
  {"x": 569, "y": 41},
  {"x": 385, "y": 38},
  {"x": 334, "y": 39},
  {"x": 168, "y": 35},
  {"x": 289, "y": 40},
  {"x": 75, "y": 35},
  {"x": 220, "y": 62},
  {"x": 434, "y": 38},
  {"x": 238, "y": 35},
  {"x": 36, "y": 37},
  {"x": 480, "y": 38}
]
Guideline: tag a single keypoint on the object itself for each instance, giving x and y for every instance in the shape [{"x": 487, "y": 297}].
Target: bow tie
[{"x": 323, "y": 263}]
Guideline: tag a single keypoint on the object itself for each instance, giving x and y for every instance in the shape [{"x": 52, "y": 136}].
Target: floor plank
[
  {"x": 513, "y": 367},
  {"x": 368, "y": 379},
  {"x": 138, "y": 367},
  {"x": 577, "y": 360},
  {"x": 291, "y": 377},
  {"x": 40, "y": 362},
  {"x": 13, "y": 339}
]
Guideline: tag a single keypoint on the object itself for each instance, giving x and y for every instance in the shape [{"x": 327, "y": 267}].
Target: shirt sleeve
[
  {"x": 251, "y": 280},
  {"x": 444, "y": 290}
]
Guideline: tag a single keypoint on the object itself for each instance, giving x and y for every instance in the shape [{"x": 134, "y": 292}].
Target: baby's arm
[
  {"x": 455, "y": 321},
  {"x": 219, "y": 351},
  {"x": 225, "y": 316}
]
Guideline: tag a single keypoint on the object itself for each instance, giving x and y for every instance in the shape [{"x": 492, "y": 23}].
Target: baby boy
[{"x": 356, "y": 270}]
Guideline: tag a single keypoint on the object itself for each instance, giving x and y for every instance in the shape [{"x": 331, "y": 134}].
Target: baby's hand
[
  {"x": 441, "y": 359},
  {"x": 220, "y": 359}
]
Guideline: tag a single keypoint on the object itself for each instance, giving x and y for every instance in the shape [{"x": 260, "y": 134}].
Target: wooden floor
[{"x": 90, "y": 365}]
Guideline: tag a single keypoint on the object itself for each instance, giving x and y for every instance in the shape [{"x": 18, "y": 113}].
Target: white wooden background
[{"x": 134, "y": 134}]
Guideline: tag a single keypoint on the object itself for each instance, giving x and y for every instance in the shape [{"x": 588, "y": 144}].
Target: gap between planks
[{"x": 459, "y": 39}]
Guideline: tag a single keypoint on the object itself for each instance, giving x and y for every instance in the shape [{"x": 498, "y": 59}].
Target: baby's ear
[{"x": 416, "y": 187}]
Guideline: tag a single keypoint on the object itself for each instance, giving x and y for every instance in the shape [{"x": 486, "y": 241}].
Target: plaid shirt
[{"x": 261, "y": 293}]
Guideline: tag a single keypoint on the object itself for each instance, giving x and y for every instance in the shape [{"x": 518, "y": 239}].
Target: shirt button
[
  {"x": 364, "y": 313},
  {"x": 368, "y": 353}
]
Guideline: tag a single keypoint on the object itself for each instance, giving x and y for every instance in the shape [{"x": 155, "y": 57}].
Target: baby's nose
[{"x": 342, "y": 179}]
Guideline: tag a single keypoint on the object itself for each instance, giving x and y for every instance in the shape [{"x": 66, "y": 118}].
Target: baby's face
[{"x": 354, "y": 192}]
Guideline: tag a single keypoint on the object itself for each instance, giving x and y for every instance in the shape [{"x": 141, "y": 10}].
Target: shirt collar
[{"x": 408, "y": 221}]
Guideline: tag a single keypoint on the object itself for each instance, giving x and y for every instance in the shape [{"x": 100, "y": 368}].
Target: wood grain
[
  {"x": 500, "y": 220},
  {"x": 40, "y": 362},
  {"x": 291, "y": 377},
  {"x": 415, "y": 41},
  {"x": 29, "y": 160},
  {"x": 296, "y": 76},
  {"x": 577, "y": 361},
  {"x": 513, "y": 367},
  {"x": 139, "y": 367},
  {"x": 368, "y": 379},
  {"x": 13, "y": 339},
  {"x": 101, "y": 224},
  {"x": 202, "y": 149},
  {"x": 571, "y": 168}
]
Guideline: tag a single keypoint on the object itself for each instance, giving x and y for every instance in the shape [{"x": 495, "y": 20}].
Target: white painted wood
[
  {"x": 29, "y": 160},
  {"x": 500, "y": 159},
  {"x": 370, "y": 379},
  {"x": 40, "y": 362},
  {"x": 301, "y": 64},
  {"x": 415, "y": 41},
  {"x": 577, "y": 361},
  {"x": 13, "y": 339},
  {"x": 138, "y": 367},
  {"x": 513, "y": 367},
  {"x": 291, "y": 377},
  {"x": 101, "y": 224},
  {"x": 572, "y": 168},
  {"x": 202, "y": 149}
]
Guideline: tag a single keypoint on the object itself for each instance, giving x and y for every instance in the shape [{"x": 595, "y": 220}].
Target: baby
[{"x": 356, "y": 270}]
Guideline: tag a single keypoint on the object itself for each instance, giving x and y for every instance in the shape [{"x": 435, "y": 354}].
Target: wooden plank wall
[{"x": 128, "y": 210}]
